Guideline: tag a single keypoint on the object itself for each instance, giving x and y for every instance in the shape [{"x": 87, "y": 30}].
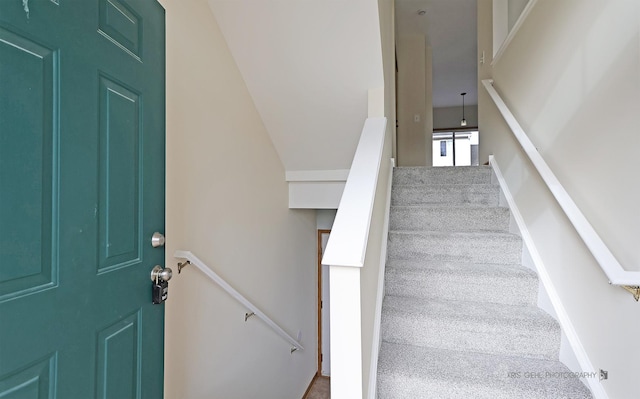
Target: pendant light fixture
[{"x": 463, "y": 122}]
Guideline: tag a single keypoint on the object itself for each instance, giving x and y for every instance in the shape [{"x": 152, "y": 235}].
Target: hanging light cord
[
  {"x": 463, "y": 122},
  {"x": 463, "y": 94}
]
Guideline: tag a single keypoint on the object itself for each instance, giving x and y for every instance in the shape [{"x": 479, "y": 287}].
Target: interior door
[{"x": 81, "y": 193}]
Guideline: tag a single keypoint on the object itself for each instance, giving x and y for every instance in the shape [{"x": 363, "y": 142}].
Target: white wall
[
  {"x": 571, "y": 78},
  {"x": 227, "y": 202}
]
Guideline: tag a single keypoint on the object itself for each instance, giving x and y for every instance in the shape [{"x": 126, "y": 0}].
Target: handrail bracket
[
  {"x": 634, "y": 290},
  {"x": 182, "y": 265}
]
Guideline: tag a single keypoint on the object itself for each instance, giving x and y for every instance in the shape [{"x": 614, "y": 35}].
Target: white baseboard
[{"x": 561, "y": 315}]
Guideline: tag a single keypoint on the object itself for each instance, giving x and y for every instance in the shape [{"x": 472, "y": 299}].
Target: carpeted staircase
[{"x": 459, "y": 317}]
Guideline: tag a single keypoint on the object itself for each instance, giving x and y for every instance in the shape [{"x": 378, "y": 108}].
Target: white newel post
[{"x": 346, "y": 339}]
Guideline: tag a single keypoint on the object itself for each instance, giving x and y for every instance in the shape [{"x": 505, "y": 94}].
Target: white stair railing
[
  {"x": 616, "y": 274},
  {"x": 345, "y": 254},
  {"x": 253, "y": 310}
]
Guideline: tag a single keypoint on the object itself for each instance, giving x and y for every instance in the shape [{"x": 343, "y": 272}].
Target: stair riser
[
  {"x": 471, "y": 335},
  {"x": 471, "y": 175},
  {"x": 418, "y": 372},
  {"x": 403, "y": 387},
  {"x": 451, "y": 286},
  {"x": 451, "y": 219},
  {"x": 477, "y": 195},
  {"x": 486, "y": 248}
]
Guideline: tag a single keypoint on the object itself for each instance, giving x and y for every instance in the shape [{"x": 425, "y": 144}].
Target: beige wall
[
  {"x": 227, "y": 202},
  {"x": 514, "y": 9},
  {"x": 570, "y": 76},
  {"x": 428, "y": 106},
  {"x": 413, "y": 87},
  {"x": 386, "y": 9},
  {"x": 449, "y": 117}
]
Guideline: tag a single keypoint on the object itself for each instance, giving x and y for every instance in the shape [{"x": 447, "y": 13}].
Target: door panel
[
  {"x": 34, "y": 381},
  {"x": 119, "y": 165},
  {"x": 120, "y": 23},
  {"x": 82, "y": 192},
  {"x": 26, "y": 170},
  {"x": 120, "y": 359}
]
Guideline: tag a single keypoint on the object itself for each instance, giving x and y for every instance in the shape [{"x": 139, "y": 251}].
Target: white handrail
[
  {"x": 609, "y": 264},
  {"x": 348, "y": 241},
  {"x": 194, "y": 260}
]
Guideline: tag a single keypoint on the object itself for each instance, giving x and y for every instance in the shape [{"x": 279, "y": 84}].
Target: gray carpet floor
[{"x": 459, "y": 316}]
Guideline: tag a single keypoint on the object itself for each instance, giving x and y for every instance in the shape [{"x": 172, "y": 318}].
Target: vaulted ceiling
[{"x": 308, "y": 66}]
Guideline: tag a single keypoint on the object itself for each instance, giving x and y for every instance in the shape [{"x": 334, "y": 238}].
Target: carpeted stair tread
[
  {"x": 508, "y": 284},
  {"x": 448, "y": 218},
  {"x": 407, "y": 371},
  {"x": 460, "y": 311},
  {"x": 438, "y": 175},
  {"x": 468, "y": 325},
  {"x": 468, "y": 246},
  {"x": 463, "y": 194}
]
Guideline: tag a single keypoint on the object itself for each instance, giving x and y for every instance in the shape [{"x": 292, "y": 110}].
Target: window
[{"x": 463, "y": 151}]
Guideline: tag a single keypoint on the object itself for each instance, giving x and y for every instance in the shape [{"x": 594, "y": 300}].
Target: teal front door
[{"x": 81, "y": 194}]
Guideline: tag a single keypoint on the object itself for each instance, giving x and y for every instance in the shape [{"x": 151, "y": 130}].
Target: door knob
[
  {"x": 160, "y": 285},
  {"x": 157, "y": 240},
  {"x": 160, "y": 273}
]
